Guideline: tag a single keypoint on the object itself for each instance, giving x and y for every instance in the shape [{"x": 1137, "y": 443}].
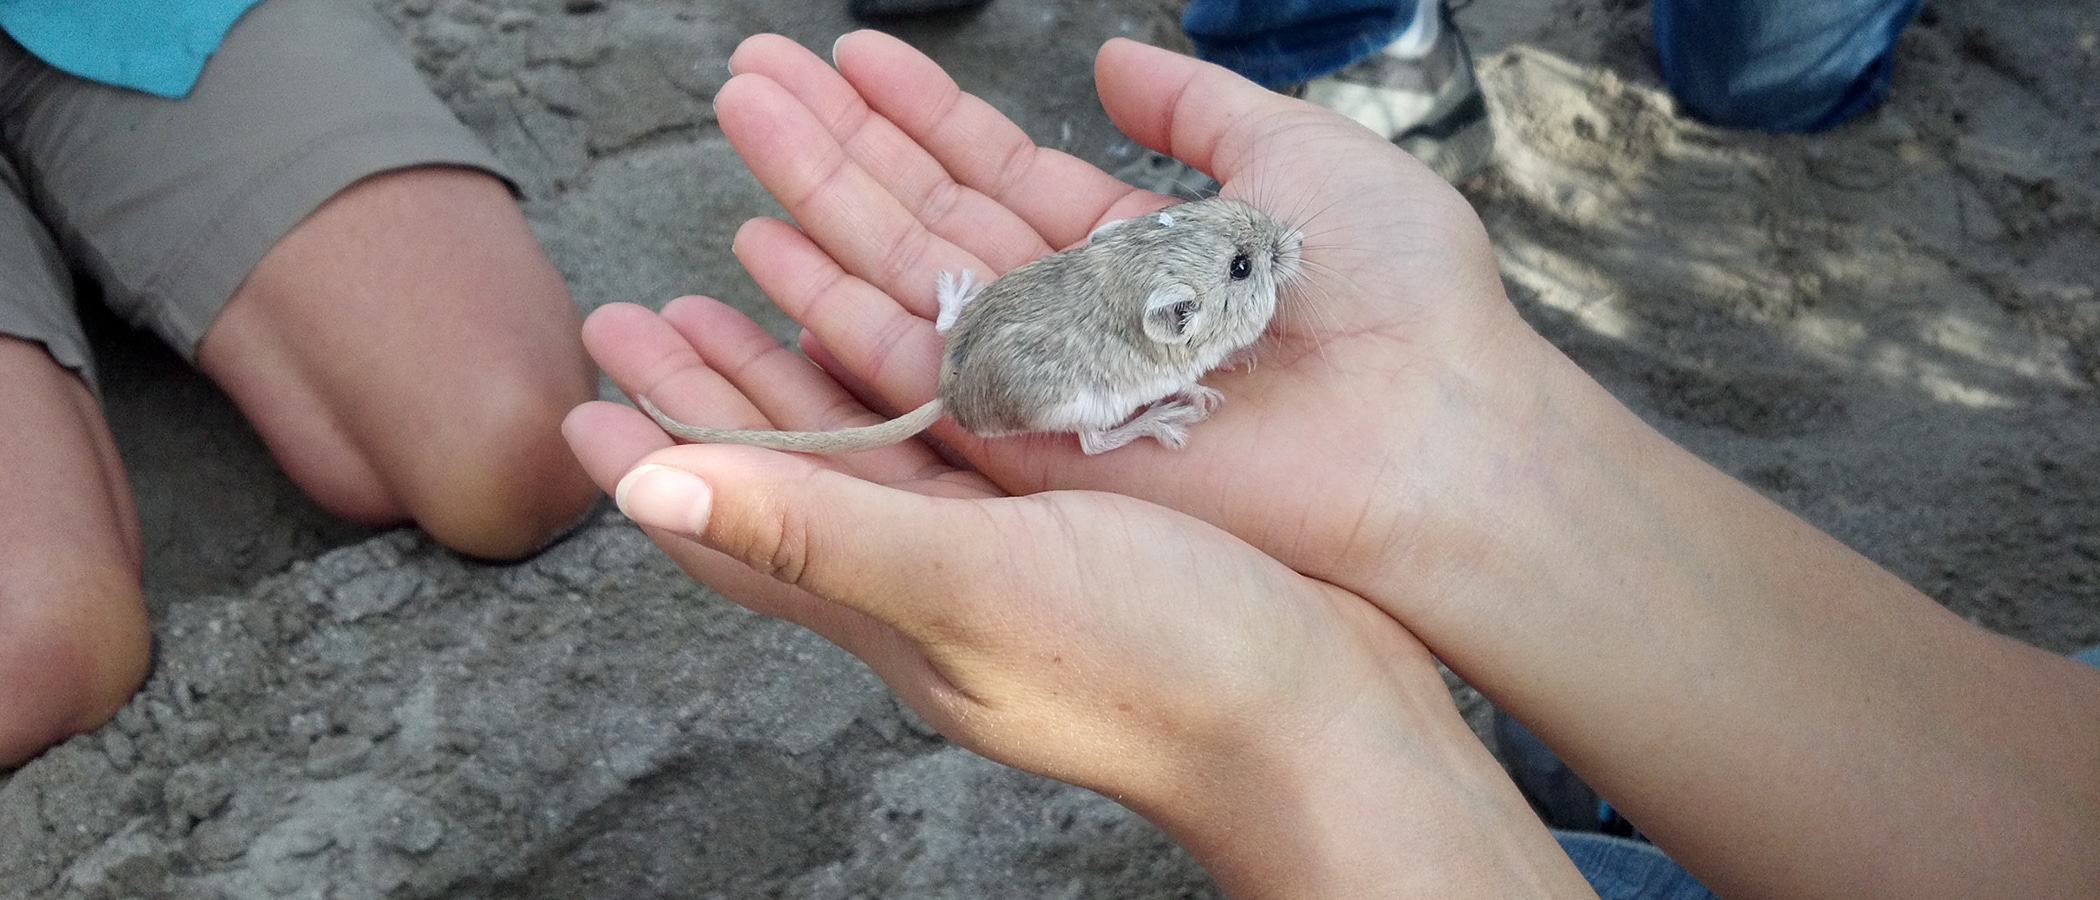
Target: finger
[
  {"x": 885, "y": 552},
  {"x": 1256, "y": 140},
  {"x": 951, "y": 439},
  {"x": 609, "y": 439},
  {"x": 1201, "y": 113},
  {"x": 1060, "y": 196},
  {"x": 791, "y": 391},
  {"x": 855, "y": 631},
  {"x": 829, "y": 362},
  {"x": 787, "y": 388},
  {"x": 646, "y": 357},
  {"x": 869, "y": 233},
  {"x": 1155, "y": 97},
  {"x": 892, "y": 656},
  {"x": 1297, "y": 160},
  {"x": 911, "y": 175},
  {"x": 891, "y": 350},
  {"x": 859, "y": 336},
  {"x": 861, "y": 225}
]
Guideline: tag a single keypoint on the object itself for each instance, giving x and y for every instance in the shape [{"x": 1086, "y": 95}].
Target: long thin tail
[{"x": 844, "y": 440}]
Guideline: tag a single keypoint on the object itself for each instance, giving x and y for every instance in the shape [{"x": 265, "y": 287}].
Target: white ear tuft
[
  {"x": 954, "y": 292},
  {"x": 1105, "y": 228}
]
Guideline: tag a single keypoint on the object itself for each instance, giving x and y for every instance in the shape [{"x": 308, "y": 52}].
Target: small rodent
[{"x": 1106, "y": 339}]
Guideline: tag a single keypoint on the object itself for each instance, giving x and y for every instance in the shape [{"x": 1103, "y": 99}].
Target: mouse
[{"x": 1107, "y": 340}]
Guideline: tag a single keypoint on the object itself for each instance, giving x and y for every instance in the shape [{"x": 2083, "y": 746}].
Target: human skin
[
  {"x": 1781, "y": 715},
  {"x": 407, "y": 353},
  {"x": 1259, "y": 716},
  {"x": 73, "y": 633},
  {"x": 1269, "y": 722}
]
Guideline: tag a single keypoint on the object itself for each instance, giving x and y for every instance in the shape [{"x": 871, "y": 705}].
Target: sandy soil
[{"x": 1892, "y": 329}]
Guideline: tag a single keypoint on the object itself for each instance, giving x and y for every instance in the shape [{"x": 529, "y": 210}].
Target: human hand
[
  {"x": 974, "y": 604},
  {"x": 1095, "y": 638},
  {"x": 1406, "y": 437},
  {"x": 1365, "y": 401}
]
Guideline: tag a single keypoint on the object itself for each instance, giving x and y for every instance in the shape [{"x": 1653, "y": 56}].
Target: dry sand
[{"x": 1892, "y": 329}]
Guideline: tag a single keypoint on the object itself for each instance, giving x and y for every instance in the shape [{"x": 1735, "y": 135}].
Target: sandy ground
[{"x": 1892, "y": 329}]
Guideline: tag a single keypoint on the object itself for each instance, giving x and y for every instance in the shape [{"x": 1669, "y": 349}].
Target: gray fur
[{"x": 1084, "y": 339}]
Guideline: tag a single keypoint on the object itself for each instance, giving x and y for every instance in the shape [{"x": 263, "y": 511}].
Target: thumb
[
  {"x": 1175, "y": 103},
  {"x": 850, "y": 541}
]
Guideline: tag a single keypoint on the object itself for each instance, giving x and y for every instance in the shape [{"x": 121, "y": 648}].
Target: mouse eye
[{"x": 1241, "y": 267}]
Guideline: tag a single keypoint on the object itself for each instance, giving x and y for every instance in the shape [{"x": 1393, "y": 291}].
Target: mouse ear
[{"x": 1172, "y": 314}]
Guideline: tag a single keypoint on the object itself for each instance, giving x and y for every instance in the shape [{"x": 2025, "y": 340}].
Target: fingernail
[{"x": 663, "y": 497}]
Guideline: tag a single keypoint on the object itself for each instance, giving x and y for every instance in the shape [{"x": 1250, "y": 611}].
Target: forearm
[
  {"x": 1398, "y": 799},
  {"x": 1785, "y": 717}
]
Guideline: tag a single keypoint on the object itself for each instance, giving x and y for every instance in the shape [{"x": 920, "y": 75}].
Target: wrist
[
  {"x": 1474, "y": 442},
  {"x": 1385, "y": 793}
]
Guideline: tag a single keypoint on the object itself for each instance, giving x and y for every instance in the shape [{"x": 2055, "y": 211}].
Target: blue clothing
[
  {"x": 1622, "y": 869},
  {"x": 1288, "y": 41},
  {"x": 156, "y": 46},
  {"x": 1776, "y": 65},
  {"x": 1798, "y": 65},
  {"x": 2090, "y": 655}
]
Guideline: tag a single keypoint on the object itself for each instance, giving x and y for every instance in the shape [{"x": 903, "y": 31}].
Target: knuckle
[
  {"x": 903, "y": 254},
  {"x": 775, "y": 543}
]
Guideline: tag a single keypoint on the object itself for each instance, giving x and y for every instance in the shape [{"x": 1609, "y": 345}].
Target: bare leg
[
  {"x": 74, "y": 642},
  {"x": 407, "y": 352}
]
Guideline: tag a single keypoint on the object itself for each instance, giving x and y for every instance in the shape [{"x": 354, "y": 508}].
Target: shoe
[{"x": 1425, "y": 100}]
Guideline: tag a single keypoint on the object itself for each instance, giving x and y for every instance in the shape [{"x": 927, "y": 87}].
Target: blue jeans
[
  {"x": 1288, "y": 41},
  {"x": 1796, "y": 65},
  {"x": 1776, "y": 65},
  {"x": 1622, "y": 869}
]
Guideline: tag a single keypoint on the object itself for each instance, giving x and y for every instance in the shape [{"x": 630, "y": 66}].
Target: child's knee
[
  {"x": 72, "y": 652},
  {"x": 508, "y": 484}
]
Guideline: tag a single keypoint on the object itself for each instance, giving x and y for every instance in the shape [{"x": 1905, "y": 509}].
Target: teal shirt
[{"x": 156, "y": 46}]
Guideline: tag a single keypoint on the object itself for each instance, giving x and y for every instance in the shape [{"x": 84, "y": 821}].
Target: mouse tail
[{"x": 843, "y": 440}]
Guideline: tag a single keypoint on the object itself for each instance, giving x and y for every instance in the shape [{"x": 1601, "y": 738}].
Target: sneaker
[{"x": 1420, "y": 93}]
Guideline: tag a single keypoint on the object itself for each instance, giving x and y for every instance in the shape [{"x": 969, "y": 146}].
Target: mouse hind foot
[{"x": 1166, "y": 421}]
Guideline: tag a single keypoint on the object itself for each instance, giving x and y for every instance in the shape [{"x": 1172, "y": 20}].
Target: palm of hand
[
  {"x": 880, "y": 216},
  {"x": 895, "y": 176},
  {"x": 1087, "y": 636}
]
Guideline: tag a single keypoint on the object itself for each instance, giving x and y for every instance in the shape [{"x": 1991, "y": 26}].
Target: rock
[{"x": 337, "y": 712}]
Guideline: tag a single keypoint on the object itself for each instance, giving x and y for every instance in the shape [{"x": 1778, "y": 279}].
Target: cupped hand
[
  {"x": 1091, "y": 637},
  {"x": 1184, "y": 668},
  {"x": 1359, "y": 414}
]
